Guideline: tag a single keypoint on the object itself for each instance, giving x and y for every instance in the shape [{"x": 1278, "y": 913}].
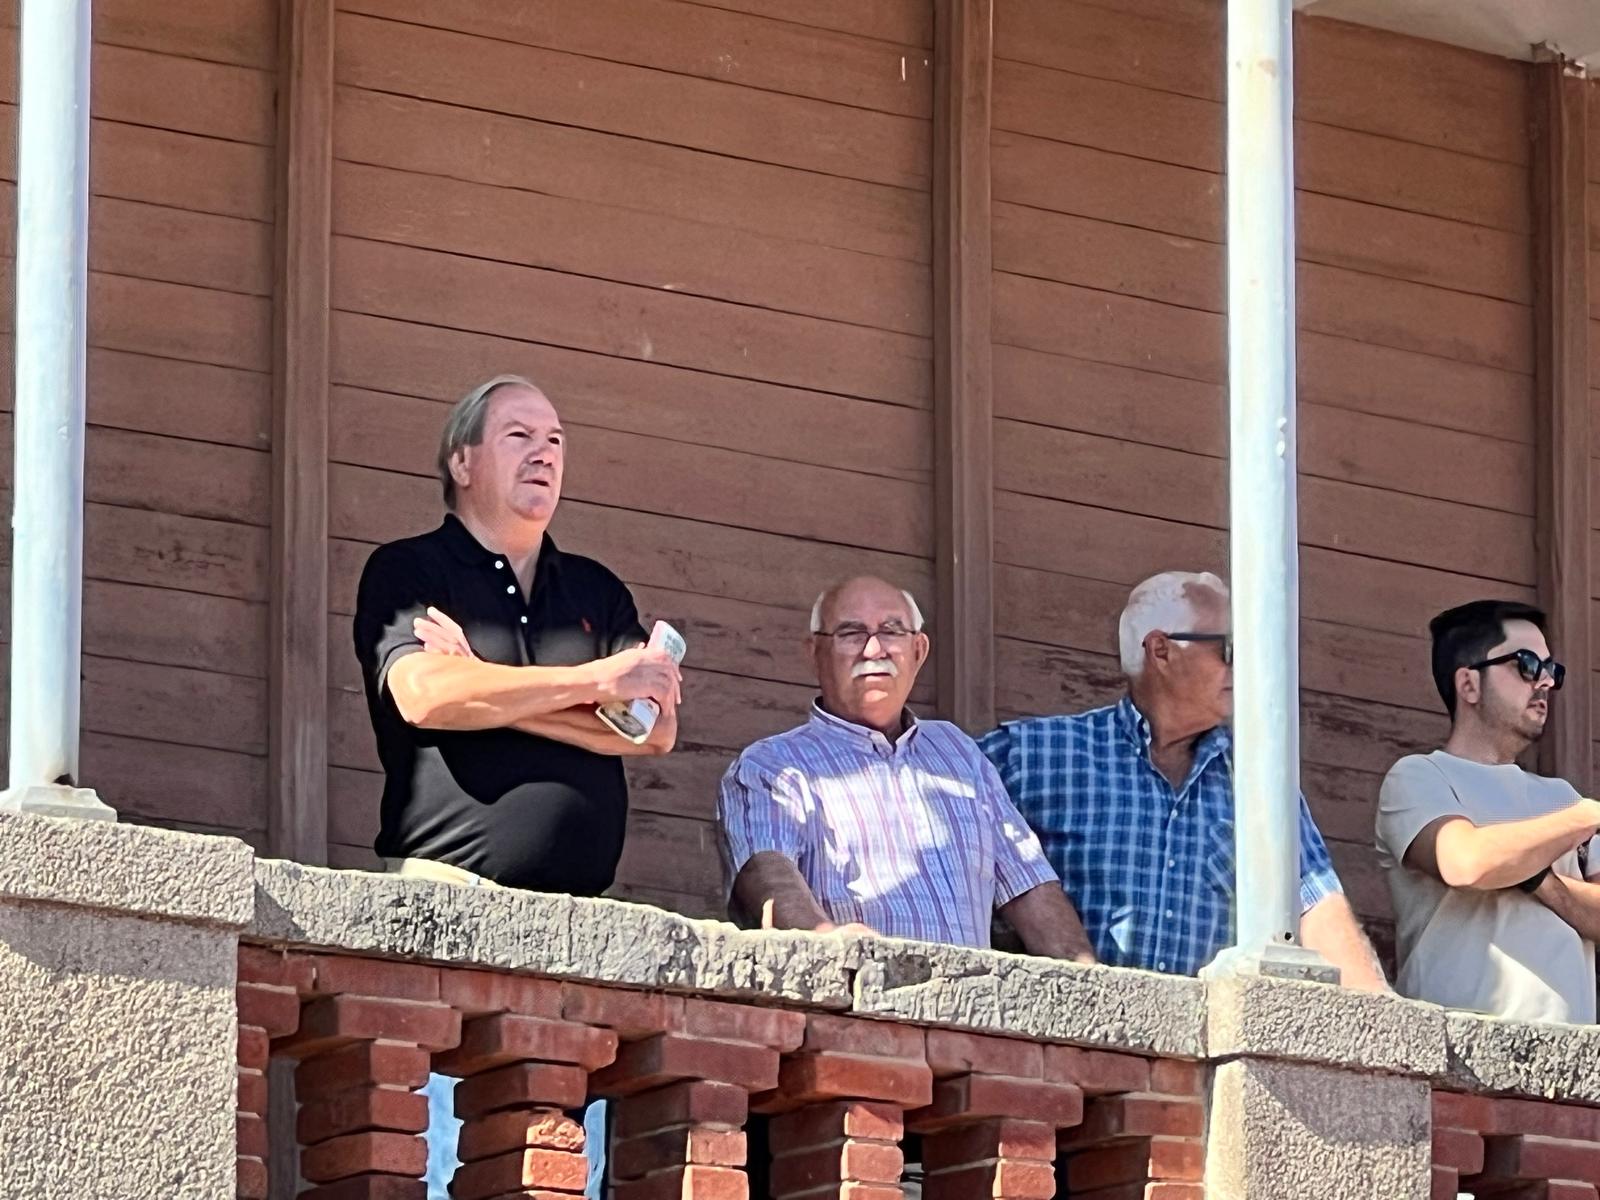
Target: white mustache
[{"x": 877, "y": 666}]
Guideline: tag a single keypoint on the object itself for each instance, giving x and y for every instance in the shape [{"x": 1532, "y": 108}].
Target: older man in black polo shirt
[{"x": 485, "y": 651}]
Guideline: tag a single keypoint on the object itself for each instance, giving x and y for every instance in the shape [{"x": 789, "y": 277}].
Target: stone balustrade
[{"x": 182, "y": 1020}]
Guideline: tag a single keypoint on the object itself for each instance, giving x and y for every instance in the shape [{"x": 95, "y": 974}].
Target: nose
[{"x": 873, "y": 648}]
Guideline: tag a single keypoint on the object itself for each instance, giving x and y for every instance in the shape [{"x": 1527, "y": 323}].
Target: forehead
[
  {"x": 521, "y": 405},
  {"x": 1524, "y": 635},
  {"x": 869, "y": 603}
]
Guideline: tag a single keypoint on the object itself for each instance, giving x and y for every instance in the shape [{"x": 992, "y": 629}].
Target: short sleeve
[
  {"x": 1019, "y": 860},
  {"x": 395, "y": 590},
  {"x": 1414, "y": 794},
  {"x": 758, "y": 810},
  {"x": 625, "y": 631},
  {"x": 1318, "y": 879}
]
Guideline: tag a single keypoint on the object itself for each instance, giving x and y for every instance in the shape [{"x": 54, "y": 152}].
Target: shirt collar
[
  {"x": 1135, "y": 727},
  {"x": 830, "y": 726},
  {"x": 469, "y": 551}
]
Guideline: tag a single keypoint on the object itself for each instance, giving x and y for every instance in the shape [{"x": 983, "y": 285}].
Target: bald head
[
  {"x": 867, "y": 646},
  {"x": 824, "y": 613}
]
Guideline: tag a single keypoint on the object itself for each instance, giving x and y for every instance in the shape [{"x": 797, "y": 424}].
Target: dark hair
[{"x": 1465, "y": 634}]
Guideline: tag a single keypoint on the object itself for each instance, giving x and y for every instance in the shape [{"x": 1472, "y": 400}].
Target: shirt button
[
  {"x": 498, "y": 564},
  {"x": 512, "y": 590},
  {"x": 1169, "y": 914},
  {"x": 524, "y": 620},
  {"x": 1161, "y": 966}
]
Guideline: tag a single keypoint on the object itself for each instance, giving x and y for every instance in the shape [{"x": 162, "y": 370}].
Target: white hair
[
  {"x": 1159, "y": 603},
  {"x": 911, "y": 605}
]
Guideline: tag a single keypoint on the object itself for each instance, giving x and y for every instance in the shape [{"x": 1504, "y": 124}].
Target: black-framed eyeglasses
[
  {"x": 1224, "y": 639},
  {"x": 1529, "y": 665},
  {"x": 853, "y": 638}
]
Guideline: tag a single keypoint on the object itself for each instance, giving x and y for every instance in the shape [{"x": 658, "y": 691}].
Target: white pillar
[
  {"x": 1264, "y": 549},
  {"x": 47, "y": 483}
]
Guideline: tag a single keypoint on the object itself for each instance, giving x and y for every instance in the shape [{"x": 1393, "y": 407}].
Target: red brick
[
  {"x": 852, "y": 1190},
  {"x": 668, "y": 1057},
  {"x": 254, "y": 1050},
  {"x": 251, "y": 1182},
  {"x": 989, "y": 1139},
  {"x": 1170, "y": 1191},
  {"x": 364, "y": 1153},
  {"x": 1455, "y": 1110},
  {"x": 686, "y": 1183},
  {"x": 1446, "y": 1184},
  {"x": 968, "y": 1096},
  {"x": 1567, "y": 1189},
  {"x": 678, "y": 1147},
  {"x": 331, "y": 1021},
  {"x": 1135, "y": 1162},
  {"x": 819, "y": 1124},
  {"x": 522, "y": 1085},
  {"x": 359, "y": 1110},
  {"x": 954, "y": 1053},
  {"x": 257, "y": 964},
  {"x": 1171, "y": 1077},
  {"x": 364, "y": 1064},
  {"x": 251, "y": 1130},
  {"x": 476, "y": 993},
  {"x": 336, "y": 974},
  {"x": 822, "y": 1166},
  {"x": 252, "y": 1092},
  {"x": 269, "y": 1007},
  {"x": 1005, "y": 1178},
  {"x": 520, "y": 1129},
  {"x": 634, "y": 1015},
  {"x": 771, "y": 1027},
  {"x": 1113, "y": 1117},
  {"x": 369, "y": 1187},
  {"x": 1526, "y": 1156},
  {"x": 1458, "y": 1149},
  {"x": 828, "y": 1076},
  {"x": 1547, "y": 1120},
  {"x": 687, "y": 1103},
  {"x": 554, "y": 1170},
  {"x": 494, "y": 1041},
  {"x": 858, "y": 1035},
  {"x": 1096, "y": 1072}
]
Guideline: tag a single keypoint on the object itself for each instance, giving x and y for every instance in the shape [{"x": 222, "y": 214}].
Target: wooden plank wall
[
  {"x": 1415, "y": 353},
  {"x": 1594, "y": 370},
  {"x": 178, "y": 371},
  {"x": 705, "y": 230}
]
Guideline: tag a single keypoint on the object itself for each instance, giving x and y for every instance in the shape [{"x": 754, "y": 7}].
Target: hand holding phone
[{"x": 635, "y": 719}]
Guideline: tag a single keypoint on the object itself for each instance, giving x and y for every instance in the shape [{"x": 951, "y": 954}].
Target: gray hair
[
  {"x": 464, "y": 426},
  {"x": 816, "y": 609},
  {"x": 1159, "y": 603}
]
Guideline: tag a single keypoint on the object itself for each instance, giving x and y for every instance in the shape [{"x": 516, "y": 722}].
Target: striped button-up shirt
[
  {"x": 1148, "y": 865},
  {"x": 915, "y": 837}
]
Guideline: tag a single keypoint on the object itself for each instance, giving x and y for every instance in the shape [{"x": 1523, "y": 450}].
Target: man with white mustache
[
  {"x": 868, "y": 820},
  {"x": 1495, "y": 908}
]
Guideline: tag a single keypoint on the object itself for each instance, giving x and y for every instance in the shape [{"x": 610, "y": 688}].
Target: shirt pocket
[{"x": 1217, "y": 864}]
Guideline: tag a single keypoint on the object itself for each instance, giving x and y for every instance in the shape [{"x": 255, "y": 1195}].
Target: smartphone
[{"x": 634, "y": 719}]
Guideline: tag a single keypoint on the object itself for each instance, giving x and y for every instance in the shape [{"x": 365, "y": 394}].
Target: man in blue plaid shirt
[{"x": 1134, "y": 803}]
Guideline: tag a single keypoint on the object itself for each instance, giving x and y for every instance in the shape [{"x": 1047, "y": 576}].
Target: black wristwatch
[{"x": 1531, "y": 884}]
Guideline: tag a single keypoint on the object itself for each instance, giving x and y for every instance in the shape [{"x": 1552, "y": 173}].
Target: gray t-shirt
[{"x": 1502, "y": 951}]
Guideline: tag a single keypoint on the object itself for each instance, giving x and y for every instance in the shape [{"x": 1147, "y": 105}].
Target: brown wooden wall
[
  {"x": 176, "y": 483},
  {"x": 704, "y": 227}
]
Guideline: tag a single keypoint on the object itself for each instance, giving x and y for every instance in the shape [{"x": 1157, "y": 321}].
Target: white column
[
  {"x": 47, "y": 483},
  {"x": 1264, "y": 547}
]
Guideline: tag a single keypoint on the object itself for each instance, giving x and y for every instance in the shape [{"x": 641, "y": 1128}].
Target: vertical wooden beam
[
  {"x": 1562, "y": 463},
  {"x": 962, "y": 362},
  {"x": 297, "y": 818}
]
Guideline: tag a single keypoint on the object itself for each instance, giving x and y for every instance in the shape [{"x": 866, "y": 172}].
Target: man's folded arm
[
  {"x": 1575, "y": 901},
  {"x": 580, "y": 727},
  {"x": 1488, "y": 857},
  {"x": 434, "y": 691}
]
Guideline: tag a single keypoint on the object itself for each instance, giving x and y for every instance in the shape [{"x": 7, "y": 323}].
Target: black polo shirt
[{"x": 522, "y": 810}]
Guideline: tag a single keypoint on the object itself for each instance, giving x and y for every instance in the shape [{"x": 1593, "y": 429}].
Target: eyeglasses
[
  {"x": 1226, "y": 640},
  {"x": 853, "y": 638},
  {"x": 1529, "y": 665}
]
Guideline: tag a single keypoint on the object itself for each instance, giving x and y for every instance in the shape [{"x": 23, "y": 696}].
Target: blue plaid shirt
[{"x": 1149, "y": 867}]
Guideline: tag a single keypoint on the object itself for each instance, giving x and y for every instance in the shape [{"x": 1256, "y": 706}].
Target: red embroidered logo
[{"x": 587, "y": 628}]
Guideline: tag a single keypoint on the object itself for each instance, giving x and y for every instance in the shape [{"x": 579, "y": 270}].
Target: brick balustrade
[
  {"x": 1519, "y": 1149},
  {"x": 994, "y": 1118}
]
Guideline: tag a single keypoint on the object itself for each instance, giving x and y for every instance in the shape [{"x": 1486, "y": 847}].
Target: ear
[
  {"x": 919, "y": 650},
  {"x": 1469, "y": 686},
  {"x": 809, "y": 649},
  {"x": 459, "y": 471},
  {"x": 1157, "y": 648}
]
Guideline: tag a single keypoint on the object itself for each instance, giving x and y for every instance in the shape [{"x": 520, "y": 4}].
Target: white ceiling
[{"x": 1510, "y": 28}]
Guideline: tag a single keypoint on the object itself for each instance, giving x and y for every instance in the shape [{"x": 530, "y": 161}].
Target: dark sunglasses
[
  {"x": 1529, "y": 665},
  {"x": 1226, "y": 639}
]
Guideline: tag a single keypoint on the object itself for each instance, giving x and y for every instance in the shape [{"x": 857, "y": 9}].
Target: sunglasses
[
  {"x": 1529, "y": 665},
  {"x": 1225, "y": 639}
]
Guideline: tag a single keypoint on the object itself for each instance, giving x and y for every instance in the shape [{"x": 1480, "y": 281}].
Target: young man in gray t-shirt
[{"x": 1486, "y": 862}]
